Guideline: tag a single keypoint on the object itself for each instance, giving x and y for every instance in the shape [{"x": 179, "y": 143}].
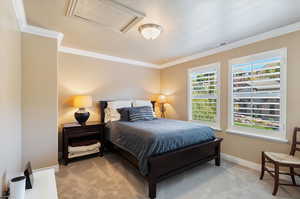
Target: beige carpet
[{"x": 112, "y": 178}]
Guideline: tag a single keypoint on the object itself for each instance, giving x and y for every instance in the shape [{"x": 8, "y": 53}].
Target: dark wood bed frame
[{"x": 170, "y": 163}]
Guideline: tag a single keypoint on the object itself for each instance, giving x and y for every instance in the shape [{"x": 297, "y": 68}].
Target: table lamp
[
  {"x": 82, "y": 102},
  {"x": 162, "y": 99}
]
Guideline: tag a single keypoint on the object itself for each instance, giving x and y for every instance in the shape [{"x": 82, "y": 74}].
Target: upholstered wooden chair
[{"x": 282, "y": 160}]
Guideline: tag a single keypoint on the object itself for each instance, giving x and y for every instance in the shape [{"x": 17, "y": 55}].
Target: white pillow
[
  {"x": 137, "y": 103},
  {"x": 111, "y": 115},
  {"x": 119, "y": 104},
  {"x": 142, "y": 103},
  {"x": 111, "y": 112}
]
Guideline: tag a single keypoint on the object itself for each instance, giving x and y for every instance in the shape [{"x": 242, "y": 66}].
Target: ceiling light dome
[{"x": 150, "y": 31}]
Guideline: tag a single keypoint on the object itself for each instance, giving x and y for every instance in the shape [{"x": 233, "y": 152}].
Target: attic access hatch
[{"x": 107, "y": 13}]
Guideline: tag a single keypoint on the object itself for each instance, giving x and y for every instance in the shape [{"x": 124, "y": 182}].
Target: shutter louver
[
  {"x": 256, "y": 94},
  {"x": 204, "y": 95}
]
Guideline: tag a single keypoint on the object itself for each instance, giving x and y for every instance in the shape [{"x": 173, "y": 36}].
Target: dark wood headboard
[{"x": 103, "y": 105}]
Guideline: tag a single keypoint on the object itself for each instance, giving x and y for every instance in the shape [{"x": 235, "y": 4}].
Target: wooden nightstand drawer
[
  {"x": 78, "y": 128},
  {"x": 74, "y": 132},
  {"x": 82, "y": 130}
]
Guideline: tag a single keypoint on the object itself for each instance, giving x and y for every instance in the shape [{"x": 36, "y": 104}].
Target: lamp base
[
  {"x": 162, "y": 110},
  {"x": 81, "y": 116}
]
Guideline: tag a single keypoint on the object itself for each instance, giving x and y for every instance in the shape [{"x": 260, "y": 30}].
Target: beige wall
[
  {"x": 39, "y": 100},
  {"x": 10, "y": 93},
  {"x": 79, "y": 75},
  {"x": 47, "y": 74},
  {"x": 174, "y": 83}
]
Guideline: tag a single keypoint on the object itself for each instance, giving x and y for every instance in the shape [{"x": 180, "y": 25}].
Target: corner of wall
[{"x": 39, "y": 100}]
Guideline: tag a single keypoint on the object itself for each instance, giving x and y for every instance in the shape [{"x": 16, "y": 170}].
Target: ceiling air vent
[{"x": 108, "y": 13}]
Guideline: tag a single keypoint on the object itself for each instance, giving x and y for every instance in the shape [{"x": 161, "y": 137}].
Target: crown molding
[
  {"x": 106, "y": 57},
  {"x": 263, "y": 36},
  {"x": 24, "y": 27},
  {"x": 44, "y": 32},
  {"x": 20, "y": 13}
]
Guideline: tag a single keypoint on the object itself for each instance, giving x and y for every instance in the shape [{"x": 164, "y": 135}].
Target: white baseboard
[
  {"x": 55, "y": 167},
  {"x": 251, "y": 165},
  {"x": 242, "y": 162}
]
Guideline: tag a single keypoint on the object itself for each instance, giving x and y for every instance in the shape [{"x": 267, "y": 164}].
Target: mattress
[{"x": 146, "y": 138}]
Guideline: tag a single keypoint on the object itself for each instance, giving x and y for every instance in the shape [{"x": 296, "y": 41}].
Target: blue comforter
[{"x": 146, "y": 138}]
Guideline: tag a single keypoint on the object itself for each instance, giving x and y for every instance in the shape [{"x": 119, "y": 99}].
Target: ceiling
[{"x": 190, "y": 26}]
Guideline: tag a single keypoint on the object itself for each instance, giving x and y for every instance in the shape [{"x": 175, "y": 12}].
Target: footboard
[{"x": 172, "y": 163}]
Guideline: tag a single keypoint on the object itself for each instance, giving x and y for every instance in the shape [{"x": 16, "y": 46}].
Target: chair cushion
[{"x": 283, "y": 158}]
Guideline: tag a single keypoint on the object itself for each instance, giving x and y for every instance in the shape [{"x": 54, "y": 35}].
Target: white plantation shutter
[
  {"x": 203, "y": 94},
  {"x": 256, "y": 93}
]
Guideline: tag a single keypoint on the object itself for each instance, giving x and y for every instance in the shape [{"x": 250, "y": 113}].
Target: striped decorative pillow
[{"x": 140, "y": 113}]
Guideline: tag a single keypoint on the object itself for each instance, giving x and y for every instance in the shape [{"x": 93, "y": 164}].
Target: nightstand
[{"x": 74, "y": 132}]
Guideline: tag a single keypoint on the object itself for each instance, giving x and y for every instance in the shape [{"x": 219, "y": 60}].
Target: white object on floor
[
  {"x": 44, "y": 185},
  {"x": 17, "y": 188}
]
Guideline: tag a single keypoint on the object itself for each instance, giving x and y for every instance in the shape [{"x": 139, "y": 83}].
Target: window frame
[
  {"x": 205, "y": 68},
  {"x": 248, "y": 131}
]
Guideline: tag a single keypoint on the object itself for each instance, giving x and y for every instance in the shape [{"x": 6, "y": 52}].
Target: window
[
  {"x": 203, "y": 94},
  {"x": 257, "y": 94}
]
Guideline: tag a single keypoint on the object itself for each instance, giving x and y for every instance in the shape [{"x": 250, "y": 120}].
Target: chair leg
[
  {"x": 263, "y": 162},
  {"x": 293, "y": 175},
  {"x": 276, "y": 179}
]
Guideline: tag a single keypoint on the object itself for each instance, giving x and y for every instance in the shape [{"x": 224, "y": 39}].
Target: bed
[{"x": 161, "y": 148}]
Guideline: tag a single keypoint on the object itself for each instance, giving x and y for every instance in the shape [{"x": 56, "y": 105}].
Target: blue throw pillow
[
  {"x": 124, "y": 112},
  {"x": 141, "y": 113}
]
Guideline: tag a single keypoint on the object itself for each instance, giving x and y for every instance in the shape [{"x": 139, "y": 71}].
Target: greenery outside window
[
  {"x": 257, "y": 94},
  {"x": 203, "y": 95}
]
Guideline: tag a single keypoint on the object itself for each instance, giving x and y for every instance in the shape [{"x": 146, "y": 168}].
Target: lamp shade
[
  {"x": 82, "y": 101},
  {"x": 162, "y": 99}
]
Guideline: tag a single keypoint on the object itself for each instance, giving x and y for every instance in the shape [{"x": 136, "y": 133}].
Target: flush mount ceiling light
[{"x": 150, "y": 31}]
